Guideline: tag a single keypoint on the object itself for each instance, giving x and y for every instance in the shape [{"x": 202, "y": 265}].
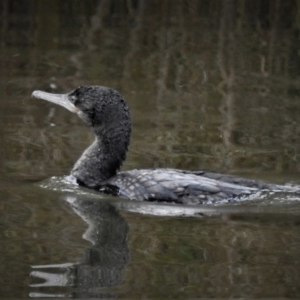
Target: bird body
[{"x": 107, "y": 113}]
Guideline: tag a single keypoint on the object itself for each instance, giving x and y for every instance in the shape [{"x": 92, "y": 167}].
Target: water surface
[{"x": 212, "y": 85}]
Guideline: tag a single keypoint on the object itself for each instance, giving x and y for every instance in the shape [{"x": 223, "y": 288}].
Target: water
[{"x": 212, "y": 85}]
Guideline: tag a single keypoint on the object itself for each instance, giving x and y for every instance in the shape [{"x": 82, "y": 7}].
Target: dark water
[{"x": 212, "y": 85}]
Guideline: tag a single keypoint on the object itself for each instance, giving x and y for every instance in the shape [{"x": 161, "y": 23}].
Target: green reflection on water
[{"x": 212, "y": 85}]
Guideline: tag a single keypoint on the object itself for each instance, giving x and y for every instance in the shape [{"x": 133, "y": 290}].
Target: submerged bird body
[
  {"x": 178, "y": 186},
  {"x": 107, "y": 113}
]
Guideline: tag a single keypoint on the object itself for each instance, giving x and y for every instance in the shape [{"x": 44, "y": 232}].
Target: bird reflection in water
[{"x": 102, "y": 264}]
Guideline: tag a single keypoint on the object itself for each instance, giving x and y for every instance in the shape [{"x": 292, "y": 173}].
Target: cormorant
[{"x": 107, "y": 114}]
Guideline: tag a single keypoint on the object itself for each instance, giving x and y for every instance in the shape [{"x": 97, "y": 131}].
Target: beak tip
[{"x": 34, "y": 94}]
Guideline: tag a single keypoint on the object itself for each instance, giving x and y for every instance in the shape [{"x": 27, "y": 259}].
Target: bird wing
[{"x": 175, "y": 186}]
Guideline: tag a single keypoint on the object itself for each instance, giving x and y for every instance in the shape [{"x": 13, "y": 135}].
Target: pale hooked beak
[{"x": 60, "y": 99}]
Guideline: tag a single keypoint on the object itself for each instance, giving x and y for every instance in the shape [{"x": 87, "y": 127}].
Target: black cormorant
[{"x": 107, "y": 113}]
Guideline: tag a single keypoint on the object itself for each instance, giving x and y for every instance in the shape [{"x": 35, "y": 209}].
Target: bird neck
[{"x": 101, "y": 160}]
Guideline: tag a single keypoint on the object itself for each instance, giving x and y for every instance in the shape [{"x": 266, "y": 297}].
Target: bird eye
[{"x": 73, "y": 99}]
